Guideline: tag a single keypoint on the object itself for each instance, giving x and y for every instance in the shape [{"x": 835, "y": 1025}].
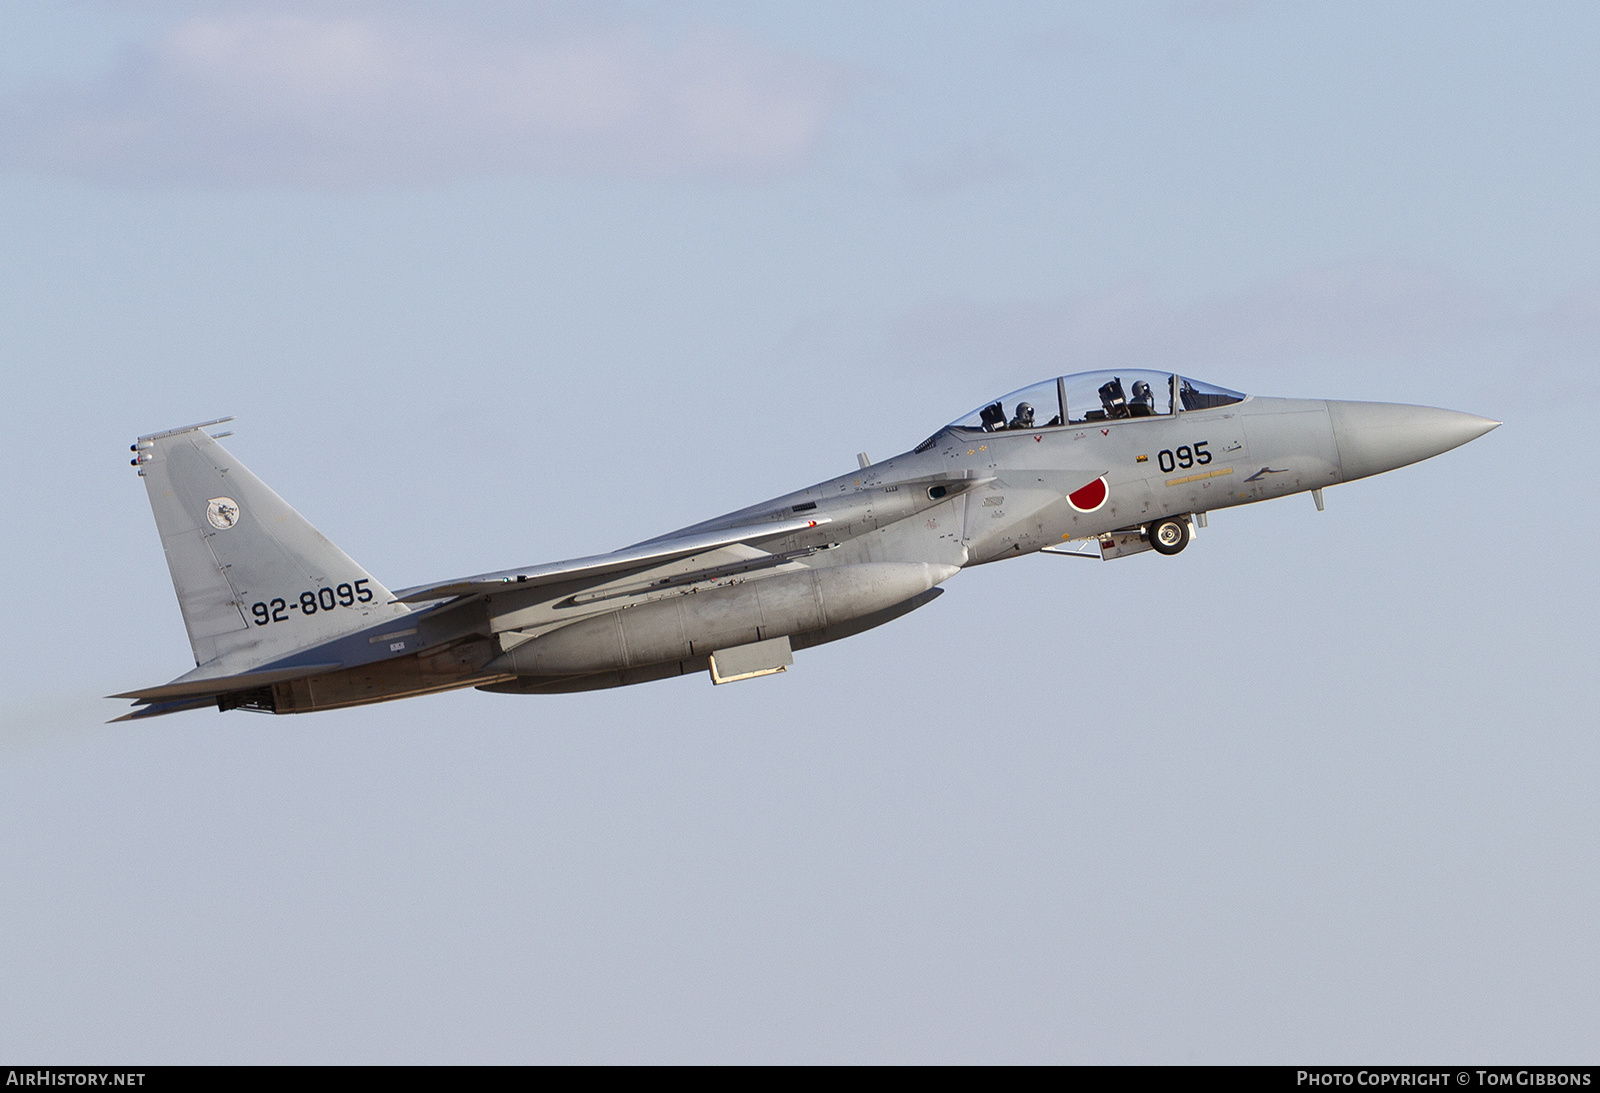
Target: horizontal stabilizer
[
  {"x": 221, "y": 685},
  {"x": 606, "y": 565},
  {"x": 156, "y": 709}
]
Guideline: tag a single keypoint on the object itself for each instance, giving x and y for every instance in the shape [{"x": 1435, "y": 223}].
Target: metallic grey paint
[{"x": 806, "y": 567}]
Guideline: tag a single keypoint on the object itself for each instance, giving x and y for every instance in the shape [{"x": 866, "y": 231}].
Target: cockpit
[{"x": 1089, "y": 397}]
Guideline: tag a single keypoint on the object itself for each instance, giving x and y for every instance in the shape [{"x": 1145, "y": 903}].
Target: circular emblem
[
  {"x": 223, "y": 512},
  {"x": 1091, "y": 497}
]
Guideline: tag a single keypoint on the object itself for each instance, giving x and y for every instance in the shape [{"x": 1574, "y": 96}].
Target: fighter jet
[{"x": 1098, "y": 465}]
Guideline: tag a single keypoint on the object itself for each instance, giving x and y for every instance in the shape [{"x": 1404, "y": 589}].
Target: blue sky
[{"x": 545, "y": 280}]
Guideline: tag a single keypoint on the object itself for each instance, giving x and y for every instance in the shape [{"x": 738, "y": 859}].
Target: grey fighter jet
[{"x": 1099, "y": 465}]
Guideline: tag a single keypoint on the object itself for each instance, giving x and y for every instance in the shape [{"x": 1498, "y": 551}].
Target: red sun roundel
[{"x": 1091, "y": 497}]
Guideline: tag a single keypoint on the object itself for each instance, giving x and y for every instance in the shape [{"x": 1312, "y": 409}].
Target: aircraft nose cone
[{"x": 1374, "y": 437}]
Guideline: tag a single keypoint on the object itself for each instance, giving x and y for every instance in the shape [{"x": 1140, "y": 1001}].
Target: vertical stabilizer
[{"x": 255, "y": 581}]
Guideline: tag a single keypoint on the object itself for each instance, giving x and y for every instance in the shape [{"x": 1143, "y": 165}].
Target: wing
[{"x": 605, "y": 565}]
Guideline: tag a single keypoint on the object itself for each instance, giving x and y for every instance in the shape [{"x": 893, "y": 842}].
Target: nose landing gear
[{"x": 1170, "y": 535}]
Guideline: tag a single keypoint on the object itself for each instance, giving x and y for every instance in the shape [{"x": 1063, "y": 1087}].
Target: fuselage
[
  {"x": 1033, "y": 488},
  {"x": 969, "y": 496}
]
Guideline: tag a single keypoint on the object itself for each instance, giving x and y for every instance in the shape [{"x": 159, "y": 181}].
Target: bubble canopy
[{"x": 1095, "y": 396}]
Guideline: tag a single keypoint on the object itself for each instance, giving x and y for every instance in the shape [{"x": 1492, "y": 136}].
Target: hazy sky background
[{"x": 546, "y": 279}]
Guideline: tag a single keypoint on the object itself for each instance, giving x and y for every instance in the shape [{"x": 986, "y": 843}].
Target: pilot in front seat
[
  {"x": 1024, "y": 418},
  {"x": 1143, "y": 403}
]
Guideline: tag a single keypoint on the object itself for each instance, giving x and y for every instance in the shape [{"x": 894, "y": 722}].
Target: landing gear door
[{"x": 1120, "y": 544}]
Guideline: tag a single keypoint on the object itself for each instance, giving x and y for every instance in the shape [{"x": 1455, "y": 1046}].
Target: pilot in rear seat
[{"x": 1143, "y": 403}]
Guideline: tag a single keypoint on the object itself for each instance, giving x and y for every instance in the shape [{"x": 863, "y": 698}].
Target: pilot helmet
[
  {"x": 1024, "y": 411},
  {"x": 1141, "y": 389}
]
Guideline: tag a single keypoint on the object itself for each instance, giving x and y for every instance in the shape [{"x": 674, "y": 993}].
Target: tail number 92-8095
[
  {"x": 1185, "y": 456},
  {"x": 309, "y": 603}
]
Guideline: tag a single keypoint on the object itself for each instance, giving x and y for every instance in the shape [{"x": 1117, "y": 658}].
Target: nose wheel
[{"x": 1169, "y": 536}]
